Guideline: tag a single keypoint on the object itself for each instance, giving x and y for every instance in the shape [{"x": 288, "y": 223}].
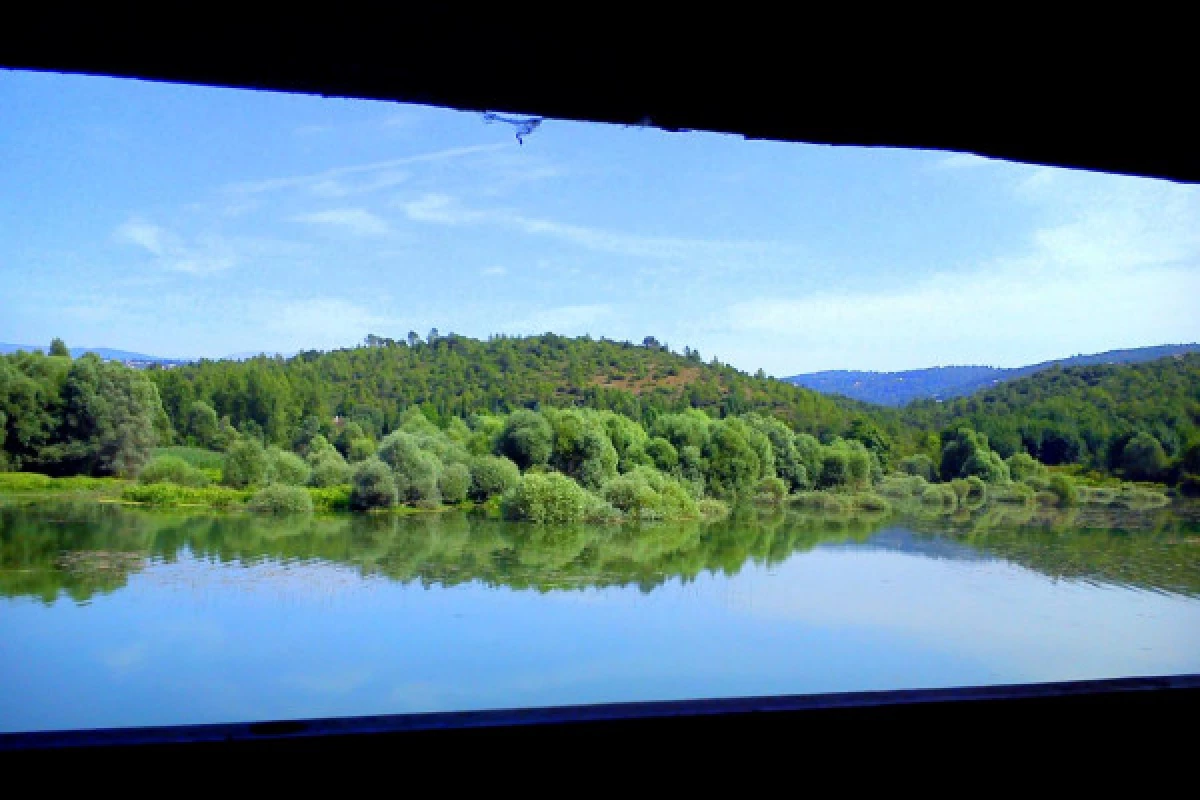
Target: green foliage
[
  {"x": 646, "y": 493},
  {"x": 662, "y": 454},
  {"x": 172, "y": 469},
  {"x": 491, "y": 476},
  {"x": 1062, "y": 488},
  {"x": 245, "y": 465},
  {"x": 1022, "y": 467},
  {"x": 169, "y": 494},
  {"x": 361, "y": 449},
  {"x": 279, "y": 498},
  {"x": 919, "y": 465},
  {"x": 286, "y": 468},
  {"x": 527, "y": 439},
  {"x": 59, "y": 348},
  {"x": 966, "y": 452},
  {"x": 733, "y": 464},
  {"x": 198, "y": 457},
  {"x": 940, "y": 494},
  {"x": 202, "y": 427},
  {"x": 1143, "y": 458},
  {"x": 415, "y": 469},
  {"x": 547, "y": 498},
  {"x": 902, "y": 486},
  {"x": 771, "y": 490},
  {"x": 454, "y": 483},
  {"x": 373, "y": 486},
  {"x": 331, "y": 498}
]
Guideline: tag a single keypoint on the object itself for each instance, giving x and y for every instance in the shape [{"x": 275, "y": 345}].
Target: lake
[{"x": 111, "y": 616}]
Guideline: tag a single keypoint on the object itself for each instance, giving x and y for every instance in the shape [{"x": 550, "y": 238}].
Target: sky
[{"x": 185, "y": 221}]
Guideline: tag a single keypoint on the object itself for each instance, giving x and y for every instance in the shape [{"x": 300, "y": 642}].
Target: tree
[
  {"x": 202, "y": 425},
  {"x": 246, "y": 465},
  {"x": 59, "y": 348},
  {"x": 372, "y": 486},
  {"x": 1144, "y": 459},
  {"x": 527, "y": 439},
  {"x": 108, "y": 420}
]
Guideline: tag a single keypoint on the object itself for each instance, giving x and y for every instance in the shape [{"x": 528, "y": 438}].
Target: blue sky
[{"x": 188, "y": 221}]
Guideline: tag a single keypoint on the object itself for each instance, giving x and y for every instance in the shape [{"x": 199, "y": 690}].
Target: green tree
[
  {"x": 245, "y": 465},
  {"x": 1144, "y": 459},
  {"x": 59, "y": 348},
  {"x": 372, "y": 486}
]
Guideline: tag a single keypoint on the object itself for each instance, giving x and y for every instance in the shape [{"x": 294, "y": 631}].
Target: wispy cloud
[
  {"x": 445, "y": 210},
  {"x": 324, "y": 178},
  {"x": 1117, "y": 262},
  {"x": 493, "y": 271},
  {"x": 203, "y": 256},
  {"x": 357, "y": 221}
]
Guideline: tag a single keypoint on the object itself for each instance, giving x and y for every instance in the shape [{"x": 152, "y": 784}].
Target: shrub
[
  {"x": 373, "y": 486},
  {"x": 1063, "y": 489},
  {"x": 1015, "y": 492},
  {"x": 198, "y": 457},
  {"x": 172, "y": 469},
  {"x": 330, "y": 469},
  {"x": 331, "y": 498},
  {"x": 646, "y": 493},
  {"x": 920, "y": 466},
  {"x": 711, "y": 507},
  {"x": 772, "y": 491},
  {"x": 869, "y": 501},
  {"x": 548, "y": 497},
  {"x": 940, "y": 494},
  {"x": 901, "y": 486},
  {"x": 287, "y": 468},
  {"x": 454, "y": 482},
  {"x": 492, "y": 476},
  {"x": 1023, "y": 466},
  {"x": 169, "y": 494},
  {"x": 821, "y": 501},
  {"x": 279, "y": 498},
  {"x": 245, "y": 465},
  {"x": 361, "y": 449},
  {"x": 1137, "y": 497}
]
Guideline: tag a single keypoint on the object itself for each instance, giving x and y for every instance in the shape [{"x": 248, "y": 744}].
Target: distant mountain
[
  {"x": 942, "y": 383},
  {"x": 106, "y": 353}
]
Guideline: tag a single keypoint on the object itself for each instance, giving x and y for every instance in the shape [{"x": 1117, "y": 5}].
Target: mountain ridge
[{"x": 947, "y": 382}]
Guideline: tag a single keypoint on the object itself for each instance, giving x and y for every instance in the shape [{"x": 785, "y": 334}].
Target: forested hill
[
  {"x": 455, "y": 376},
  {"x": 942, "y": 383},
  {"x": 1085, "y": 414}
]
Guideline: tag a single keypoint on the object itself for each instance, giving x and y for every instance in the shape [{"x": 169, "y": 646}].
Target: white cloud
[
  {"x": 445, "y": 210},
  {"x": 206, "y": 255},
  {"x": 357, "y": 221},
  {"x": 1116, "y": 264}
]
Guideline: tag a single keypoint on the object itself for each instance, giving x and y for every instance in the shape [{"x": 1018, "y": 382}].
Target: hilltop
[{"x": 944, "y": 383}]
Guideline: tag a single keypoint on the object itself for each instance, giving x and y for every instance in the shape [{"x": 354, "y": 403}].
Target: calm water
[{"x": 117, "y": 617}]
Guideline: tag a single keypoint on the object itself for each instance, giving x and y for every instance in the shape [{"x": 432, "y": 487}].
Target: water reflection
[{"x": 80, "y": 550}]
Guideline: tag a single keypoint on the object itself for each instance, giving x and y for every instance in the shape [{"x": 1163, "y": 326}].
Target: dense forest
[{"x": 557, "y": 429}]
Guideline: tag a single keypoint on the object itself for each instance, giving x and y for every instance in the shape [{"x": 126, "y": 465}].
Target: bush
[
  {"x": 492, "y": 476},
  {"x": 869, "y": 501},
  {"x": 287, "y": 468},
  {"x": 1063, "y": 490},
  {"x": 1137, "y": 497},
  {"x": 330, "y": 470},
  {"x": 920, "y": 466},
  {"x": 821, "y": 501},
  {"x": 198, "y": 457},
  {"x": 772, "y": 491},
  {"x": 172, "y": 469},
  {"x": 331, "y": 498},
  {"x": 1023, "y": 466},
  {"x": 169, "y": 494},
  {"x": 361, "y": 449},
  {"x": 245, "y": 465},
  {"x": 1016, "y": 492},
  {"x": 711, "y": 507},
  {"x": 940, "y": 494},
  {"x": 373, "y": 486},
  {"x": 454, "y": 482},
  {"x": 646, "y": 493},
  {"x": 547, "y": 498},
  {"x": 279, "y": 498},
  {"x": 902, "y": 486}
]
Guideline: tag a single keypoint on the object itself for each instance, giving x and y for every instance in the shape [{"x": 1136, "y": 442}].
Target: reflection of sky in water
[{"x": 197, "y": 641}]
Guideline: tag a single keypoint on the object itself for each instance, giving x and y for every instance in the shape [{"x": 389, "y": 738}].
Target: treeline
[
  {"x": 1138, "y": 421},
  {"x": 452, "y": 376},
  {"x": 426, "y": 414}
]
